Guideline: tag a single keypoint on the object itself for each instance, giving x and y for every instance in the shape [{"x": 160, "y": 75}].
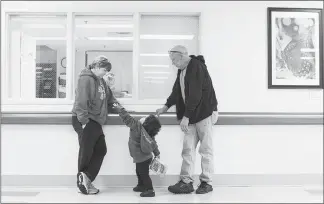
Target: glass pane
[
  {"x": 158, "y": 34},
  {"x": 111, "y": 36},
  {"x": 39, "y": 44}
]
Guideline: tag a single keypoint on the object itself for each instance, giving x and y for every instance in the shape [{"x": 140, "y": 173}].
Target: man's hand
[
  {"x": 214, "y": 117},
  {"x": 184, "y": 124},
  {"x": 161, "y": 110},
  {"x": 158, "y": 156}
]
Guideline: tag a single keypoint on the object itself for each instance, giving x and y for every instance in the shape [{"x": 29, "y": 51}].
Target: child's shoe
[
  {"x": 148, "y": 193},
  {"x": 139, "y": 188}
]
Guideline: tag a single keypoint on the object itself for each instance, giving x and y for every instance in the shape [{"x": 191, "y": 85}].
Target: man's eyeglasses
[{"x": 170, "y": 52}]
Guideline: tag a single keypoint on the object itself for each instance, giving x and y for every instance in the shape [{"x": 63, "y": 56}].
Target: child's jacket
[{"x": 141, "y": 145}]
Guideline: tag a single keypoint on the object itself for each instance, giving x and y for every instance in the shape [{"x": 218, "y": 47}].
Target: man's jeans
[{"x": 201, "y": 131}]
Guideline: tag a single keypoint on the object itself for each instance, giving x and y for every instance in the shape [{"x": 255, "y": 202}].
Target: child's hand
[{"x": 118, "y": 107}]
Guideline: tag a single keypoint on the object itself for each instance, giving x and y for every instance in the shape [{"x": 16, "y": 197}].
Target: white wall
[
  {"x": 52, "y": 150},
  {"x": 234, "y": 42},
  {"x": 235, "y": 45}
]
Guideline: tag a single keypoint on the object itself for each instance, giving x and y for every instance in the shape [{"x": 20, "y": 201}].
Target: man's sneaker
[
  {"x": 139, "y": 188},
  {"x": 181, "y": 188},
  {"x": 204, "y": 188},
  {"x": 148, "y": 193},
  {"x": 83, "y": 183},
  {"x": 92, "y": 190}
]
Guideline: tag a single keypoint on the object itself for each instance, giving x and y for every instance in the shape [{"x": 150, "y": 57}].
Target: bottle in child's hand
[{"x": 158, "y": 167}]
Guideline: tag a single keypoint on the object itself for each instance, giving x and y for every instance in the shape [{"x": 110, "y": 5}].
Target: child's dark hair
[
  {"x": 152, "y": 125},
  {"x": 199, "y": 57}
]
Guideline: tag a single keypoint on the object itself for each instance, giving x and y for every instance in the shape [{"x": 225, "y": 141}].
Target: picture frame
[{"x": 295, "y": 48}]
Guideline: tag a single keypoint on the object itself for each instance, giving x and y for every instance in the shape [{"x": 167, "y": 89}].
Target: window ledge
[{"x": 225, "y": 118}]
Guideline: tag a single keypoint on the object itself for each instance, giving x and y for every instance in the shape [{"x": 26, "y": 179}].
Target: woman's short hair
[{"x": 100, "y": 61}]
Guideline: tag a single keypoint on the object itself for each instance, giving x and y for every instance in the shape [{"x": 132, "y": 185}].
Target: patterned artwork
[{"x": 295, "y": 59}]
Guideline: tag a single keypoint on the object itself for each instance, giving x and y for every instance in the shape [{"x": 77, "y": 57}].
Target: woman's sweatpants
[{"x": 92, "y": 148}]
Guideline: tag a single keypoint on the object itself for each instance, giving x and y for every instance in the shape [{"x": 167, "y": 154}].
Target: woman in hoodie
[{"x": 90, "y": 110}]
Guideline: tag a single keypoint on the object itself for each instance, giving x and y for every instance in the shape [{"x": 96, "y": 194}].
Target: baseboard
[{"x": 131, "y": 180}]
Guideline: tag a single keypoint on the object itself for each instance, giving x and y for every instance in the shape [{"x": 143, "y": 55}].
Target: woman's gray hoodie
[{"x": 92, "y": 100}]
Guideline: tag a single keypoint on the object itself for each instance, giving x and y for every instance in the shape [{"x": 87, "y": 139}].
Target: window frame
[
  {"x": 5, "y": 70},
  {"x": 54, "y": 104}
]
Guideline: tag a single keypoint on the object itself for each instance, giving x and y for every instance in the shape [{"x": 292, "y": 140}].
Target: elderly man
[{"x": 196, "y": 107}]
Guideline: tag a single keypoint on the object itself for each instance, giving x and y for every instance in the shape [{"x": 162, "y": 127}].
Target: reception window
[{"x": 44, "y": 55}]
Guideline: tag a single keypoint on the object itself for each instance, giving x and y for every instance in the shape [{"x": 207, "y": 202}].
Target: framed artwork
[{"x": 295, "y": 48}]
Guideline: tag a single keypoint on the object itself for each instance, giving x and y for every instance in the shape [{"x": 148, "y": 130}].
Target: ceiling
[
  {"x": 110, "y": 32},
  {"x": 52, "y": 31}
]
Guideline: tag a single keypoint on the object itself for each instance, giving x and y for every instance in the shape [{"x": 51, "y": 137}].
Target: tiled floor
[{"x": 125, "y": 195}]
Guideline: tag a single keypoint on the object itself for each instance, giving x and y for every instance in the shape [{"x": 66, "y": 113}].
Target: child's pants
[{"x": 142, "y": 172}]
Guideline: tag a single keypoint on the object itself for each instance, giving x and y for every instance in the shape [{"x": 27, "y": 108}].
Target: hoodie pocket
[
  {"x": 93, "y": 107},
  {"x": 96, "y": 104}
]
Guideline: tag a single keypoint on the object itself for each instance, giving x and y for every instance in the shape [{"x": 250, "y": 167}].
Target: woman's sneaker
[
  {"x": 92, "y": 190},
  {"x": 83, "y": 183}
]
